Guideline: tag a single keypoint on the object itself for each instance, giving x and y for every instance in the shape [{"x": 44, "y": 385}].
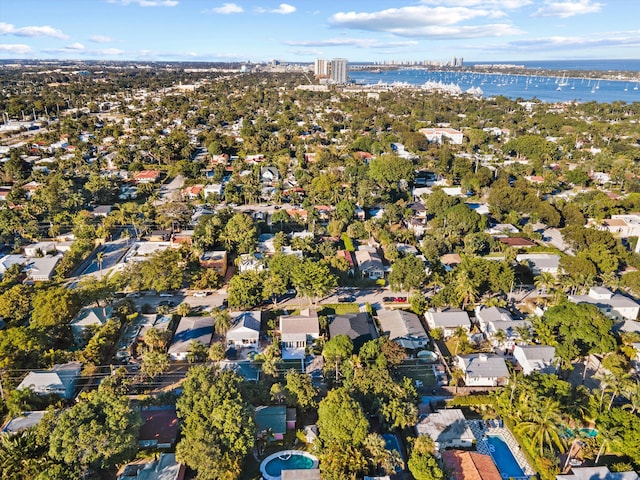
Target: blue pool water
[
  {"x": 294, "y": 462},
  {"x": 503, "y": 458}
]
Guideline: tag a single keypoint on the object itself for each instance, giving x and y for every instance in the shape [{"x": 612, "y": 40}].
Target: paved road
[{"x": 170, "y": 191}]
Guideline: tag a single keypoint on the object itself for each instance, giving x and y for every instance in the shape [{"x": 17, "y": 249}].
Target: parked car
[
  {"x": 347, "y": 299},
  {"x": 200, "y": 294},
  {"x": 166, "y": 294}
]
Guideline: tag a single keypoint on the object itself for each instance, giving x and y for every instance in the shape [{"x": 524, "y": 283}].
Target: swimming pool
[
  {"x": 503, "y": 457},
  {"x": 272, "y": 466}
]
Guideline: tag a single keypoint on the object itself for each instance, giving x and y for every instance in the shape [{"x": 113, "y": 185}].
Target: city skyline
[{"x": 300, "y": 32}]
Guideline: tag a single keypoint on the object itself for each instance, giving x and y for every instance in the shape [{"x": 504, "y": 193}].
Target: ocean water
[{"x": 563, "y": 87}]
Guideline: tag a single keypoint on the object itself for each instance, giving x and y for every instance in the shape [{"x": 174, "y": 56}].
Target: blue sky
[{"x": 302, "y": 30}]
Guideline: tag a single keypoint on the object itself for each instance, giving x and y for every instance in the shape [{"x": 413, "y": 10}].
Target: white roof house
[
  {"x": 483, "y": 370},
  {"x": 541, "y": 262},
  {"x": 535, "y": 358},
  {"x": 59, "y": 380},
  {"x": 612, "y": 305},
  {"x": 245, "y": 331},
  {"x": 494, "y": 319},
  {"x": 447, "y": 428},
  {"x": 404, "y": 328},
  {"x": 297, "y": 331},
  {"x": 369, "y": 263},
  {"x": 597, "y": 473},
  {"x": 190, "y": 329},
  {"x": 447, "y": 320},
  {"x": 88, "y": 317}
]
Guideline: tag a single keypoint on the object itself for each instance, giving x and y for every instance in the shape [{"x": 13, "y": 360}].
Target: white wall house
[
  {"x": 483, "y": 370},
  {"x": 612, "y": 305}
]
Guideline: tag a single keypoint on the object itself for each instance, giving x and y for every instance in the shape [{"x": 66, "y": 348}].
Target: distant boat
[
  {"x": 564, "y": 81},
  {"x": 636, "y": 87},
  {"x": 573, "y": 86},
  {"x": 626, "y": 88}
]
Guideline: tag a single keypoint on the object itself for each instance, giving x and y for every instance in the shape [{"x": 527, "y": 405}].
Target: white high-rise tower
[{"x": 339, "y": 68}]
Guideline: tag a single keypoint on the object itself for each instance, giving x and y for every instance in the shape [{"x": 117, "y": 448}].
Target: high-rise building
[
  {"x": 321, "y": 67},
  {"x": 339, "y": 70}
]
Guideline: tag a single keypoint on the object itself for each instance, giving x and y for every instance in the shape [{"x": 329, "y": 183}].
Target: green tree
[
  {"x": 545, "y": 428},
  {"x": 408, "y": 274},
  {"x": 245, "y": 289},
  {"x": 313, "y": 279},
  {"x": 422, "y": 464},
  {"x": 15, "y": 304},
  {"x": 218, "y": 428},
  {"x": 155, "y": 363},
  {"x": 341, "y": 420},
  {"x": 240, "y": 234},
  {"x": 301, "y": 389},
  {"x": 99, "y": 432},
  {"x": 54, "y": 307}
]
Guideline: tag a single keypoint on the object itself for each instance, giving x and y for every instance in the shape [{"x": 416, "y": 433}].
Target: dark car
[
  {"x": 387, "y": 299},
  {"x": 347, "y": 299},
  {"x": 231, "y": 353}
]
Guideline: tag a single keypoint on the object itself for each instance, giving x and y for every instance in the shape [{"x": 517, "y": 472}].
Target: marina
[{"x": 562, "y": 88}]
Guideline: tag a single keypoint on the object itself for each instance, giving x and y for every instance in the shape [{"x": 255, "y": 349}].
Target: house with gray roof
[
  {"x": 89, "y": 317},
  {"x": 245, "y": 331},
  {"x": 447, "y": 428},
  {"x": 447, "y": 320},
  {"x": 190, "y": 330},
  {"x": 357, "y": 326},
  {"x": 59, "y": 380},
  {"x": 298, "y": 331},
  {"x": 613, "y": 305},
  {"x": 597, "y": 473},
  {"x": 404, "y": 328},
  {"x": 23, "y": 422},
  {"x": 536, "y": 358},
  {"x": 483, "y": 370},
  {"x": 494, "y": 319},
  {"x": 541, "y": 262}
]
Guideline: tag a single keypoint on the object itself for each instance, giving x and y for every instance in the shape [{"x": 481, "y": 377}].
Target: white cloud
[
  {"x": 350, "y": 42},
  {"x": 75, "y": 46},
  {"x": 110, "y": 52},
  {"x": 16, "y": 48},
  {"x": 622, "y": 39},
  {"x": 422, "y": 21},
  {"x": 503, "y": 4},
  {"x": 226, "y": 9},
  {"x": 31, "y": 31},
  {"x": 146, "y": 3},
  {"x": 567, "y": 9},
  {"x": 100, "y": 39},
  {"x": 284, "y": 9}
]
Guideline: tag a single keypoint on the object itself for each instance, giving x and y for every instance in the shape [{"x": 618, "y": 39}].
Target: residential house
[
  {"x": 369, "y": 263},
  {"x": 297, "y": 332},
  {"x": 502, "y": 229},
  {"x": 464, "y": 465},
  {"x": 269, "y": 175},
  {"x": 160, "y": 236},
  {"x": 59, "y": 380},
  {"x": 613, "y": 305},
  {"x": 535, "y": 358},
  {"x": 216, "y": 260},
  {"x": 89, "y": 317},
  {"x": 495, "y": 319},
  {"x": 101, "y": 210},
  {"x": 597, "y": 473},
  {"x": 297, "y": 474},
  {"x": 147, "y": 176},
  {"x": 483, "y": 370},
  {"x": 447, "y": 320},
  {"x": 404, "y": 328},
  {"x": 437, "y": 134},
  {"x": 357, "y": 326},
  {"x": 23, "y": 422},
  {"x": 31, "y": 188},
  {"x": 541, "y": 262},
  {"x": 165, "y": 468},
  {"x": 41, "y": 269},
  {"x": 192, "y": 192},
  {"x": 245, "y": 331},
  {"x": 447, "y": 428},
  {"x": 251, "y": 262},
  {"x": 517, "y": 242},
  {"x": 214, "y": 190},
  {"x": 190, "y": 330},
  {"x": 185, "y": 237},
  {"x": 159, "y": 427},
  {"x": 39, "y": 249}
]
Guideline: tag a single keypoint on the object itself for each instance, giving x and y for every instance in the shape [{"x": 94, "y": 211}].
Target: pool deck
[{"x": 480, "y": 430}]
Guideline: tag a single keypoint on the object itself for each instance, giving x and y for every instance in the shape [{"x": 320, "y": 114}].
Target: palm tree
[
  {"x": 632, "y": 392},
  {"x": 500, "y": 337},
  {"x": 545, "y": 428},
  {"x": 99, "y": 260},
  {"x": 456, "y": 375},
  {"x": 222, "y": 321},
  {"x": 460, "y": 336},
  {"x": 465, "y": 288}
]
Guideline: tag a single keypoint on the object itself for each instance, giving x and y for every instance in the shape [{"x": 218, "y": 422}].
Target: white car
[
  {"x": 200, "y": 294},
  {"x": 166, "y": 294}
]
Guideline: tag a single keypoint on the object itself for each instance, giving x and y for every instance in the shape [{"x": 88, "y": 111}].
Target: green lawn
[{"x": 338, "y": 308}]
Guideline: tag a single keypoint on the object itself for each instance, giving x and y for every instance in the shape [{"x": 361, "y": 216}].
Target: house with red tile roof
[
  {"x": 465, "y": 465},
  {"x": 147, "y": 176}
]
